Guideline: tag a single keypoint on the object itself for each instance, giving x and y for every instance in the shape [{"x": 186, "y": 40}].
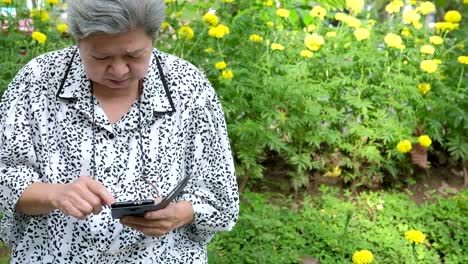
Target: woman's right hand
[{"x": 81, "y": 197}]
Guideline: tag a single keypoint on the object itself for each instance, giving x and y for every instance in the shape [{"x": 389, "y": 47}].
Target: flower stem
[
  {"x": 345, "y": 232},
  {"x": 414, "y": 252},
  {"x": 461, "y": 78}
]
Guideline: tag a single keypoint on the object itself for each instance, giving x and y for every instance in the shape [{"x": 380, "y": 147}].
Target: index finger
[{"x": 101, "y": 191}]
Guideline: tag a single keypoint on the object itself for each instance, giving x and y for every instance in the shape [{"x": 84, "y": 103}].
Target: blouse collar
[{"x": 156, "y": 98}]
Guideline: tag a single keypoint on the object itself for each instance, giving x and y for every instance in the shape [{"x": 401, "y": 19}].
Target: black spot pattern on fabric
[{"x": 46, "y": 135}]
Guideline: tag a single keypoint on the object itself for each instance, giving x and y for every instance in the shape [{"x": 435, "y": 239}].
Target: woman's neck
[{"x": 116, "y": 102}]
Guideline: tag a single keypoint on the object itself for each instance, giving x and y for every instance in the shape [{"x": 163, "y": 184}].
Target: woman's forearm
[{"x": 36, "y": 199}]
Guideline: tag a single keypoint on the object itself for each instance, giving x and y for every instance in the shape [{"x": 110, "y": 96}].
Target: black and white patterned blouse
[{"x": 47, "y": 135}]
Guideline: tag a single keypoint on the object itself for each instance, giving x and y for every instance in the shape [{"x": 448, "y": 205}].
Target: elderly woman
[{"x": 112, "y": 119}]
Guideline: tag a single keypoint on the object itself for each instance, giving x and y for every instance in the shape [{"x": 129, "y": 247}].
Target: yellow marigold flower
[
  {"x": 411, "y": 17},
  {"x": 436, "y": 40},
  {"x": 355, "y": 5},
  {"x": 452, "y": 16},
  {"x": 185, "y": 32},
  {"x": 429, "y": 66},
  {"x": 165, "y": 25},
  {"x": 268, "y": 3},
  {"x": 362, "y": 257},
  {"x": 340, "y": 16},
  {"x": 417, "y": 25},
  {"x": 306, "y": 53},
  {"x": 352, "y": 22},
  {"x": 221, "y": 65},
  {"x": 392, "y": 8},
  {"x": 211, "y": 19},
  {"x": 335, "y": 172},
  {"x": 463, "y": 59},
  {"x": 228, "y": 1},
  {"x": 415, "y": 236},
  {"x": 425, "y": 141},
  {"x": 398, "y": 3},
  {"x": 314, "y": 42},
  {"x": 424, "y": 88},
  {"x": 209, "y": 50},
  {"x": 331, "y": 34},
  {"x": 52, "y": 2},
  {"x": 227, "y": 74},
  {"x": 282, "y": 12},
  {"x": 34, "y": 13},
  {"x": 319, "y": 12},
  {"x": 311, "y": 28},
  {"x": 7, "y": 2},
  {"x": 393, "y": 40},
  {"x": 437, "y": 61},
  {"x": 426, "y": 8},
  {"x": 39, "y": 37},
  {"x": 406, "y": 32},
  {"x": 62, "y": 27},
  {"x": 277, "y": 46},
  {"x": 444, "y": 26},
  {"x": 404, "y": 146},
  {"x": 270, "y": 24},
  {"x": 44, "y": 16},
  {"x": 361, "y": 33},
  {"x": 219, "y": 31},
  {"x": 427, "y": 49},
  {"x": 465, "y": 2},
  {"x": 255, "y": 38}
]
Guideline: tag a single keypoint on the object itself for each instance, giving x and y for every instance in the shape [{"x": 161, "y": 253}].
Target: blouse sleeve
[
  {"x": 212, "y": 189},
  {"x": 17, "y": 155}
]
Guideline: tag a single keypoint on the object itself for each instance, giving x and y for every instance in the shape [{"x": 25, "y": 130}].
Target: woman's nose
[{"x": 119, "y": 68}]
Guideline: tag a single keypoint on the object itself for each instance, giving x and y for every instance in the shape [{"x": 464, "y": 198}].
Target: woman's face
[{"x": 116, "y": 61}]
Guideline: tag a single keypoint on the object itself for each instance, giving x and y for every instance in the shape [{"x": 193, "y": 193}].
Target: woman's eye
[{"x": 100, "y": 58}]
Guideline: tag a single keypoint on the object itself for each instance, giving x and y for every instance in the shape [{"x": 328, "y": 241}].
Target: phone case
[{"x": 137, "y": 208}]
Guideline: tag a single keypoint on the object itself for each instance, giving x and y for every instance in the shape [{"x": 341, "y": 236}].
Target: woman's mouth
[{"x": 118, "y": 82}]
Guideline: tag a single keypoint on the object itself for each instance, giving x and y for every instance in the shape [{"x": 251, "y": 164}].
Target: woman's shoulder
[
  {"x": 174, "y": 62},
  {"x": 56, "y": 57},
  {"x": 183, "y": 74},
  {"x": 35, "y": 77},
  {"x": 49, "y": 61}
]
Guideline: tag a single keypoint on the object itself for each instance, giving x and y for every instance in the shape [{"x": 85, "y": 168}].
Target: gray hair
[{"x": 88, "y": 17}]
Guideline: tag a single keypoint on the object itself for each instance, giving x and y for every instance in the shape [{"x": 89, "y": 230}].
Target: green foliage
[
  {"x": 275, "y": 229},
  {"x": 347, "y": 106}
]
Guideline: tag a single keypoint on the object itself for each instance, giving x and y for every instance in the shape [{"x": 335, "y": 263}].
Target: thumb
[{"x": 157, "y": 200}]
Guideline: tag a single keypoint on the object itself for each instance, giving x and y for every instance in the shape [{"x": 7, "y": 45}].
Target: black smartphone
[
  {"x": 134, "y": 208},
  {"x": 140, "y": 207}
]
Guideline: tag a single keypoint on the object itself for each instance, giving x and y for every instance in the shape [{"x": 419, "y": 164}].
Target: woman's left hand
[{"x": 158, "y": 223}]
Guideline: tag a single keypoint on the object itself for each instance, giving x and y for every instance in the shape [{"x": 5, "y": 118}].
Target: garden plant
[{"x": 362, "y": 92}]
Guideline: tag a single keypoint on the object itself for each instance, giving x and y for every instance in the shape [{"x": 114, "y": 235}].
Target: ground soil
[
  {"x": 4, "y": 252},
  {"x": 423, "y": 185}
]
